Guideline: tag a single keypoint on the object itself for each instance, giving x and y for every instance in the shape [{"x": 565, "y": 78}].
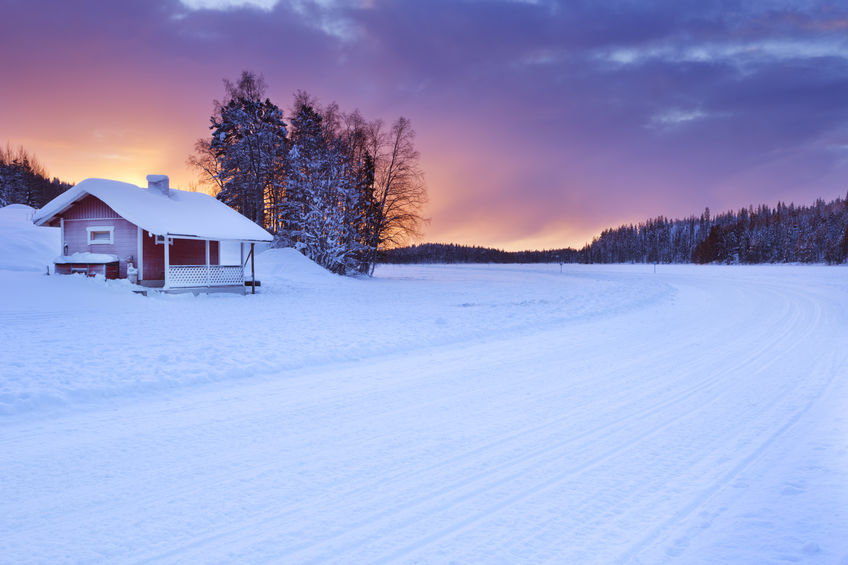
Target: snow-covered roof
[{"x": 177, "y": 213}]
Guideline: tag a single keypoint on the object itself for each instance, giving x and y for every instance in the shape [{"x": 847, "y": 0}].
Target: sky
[{"x": 539, "y": 123}]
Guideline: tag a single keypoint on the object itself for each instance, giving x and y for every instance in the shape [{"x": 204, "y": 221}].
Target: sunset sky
[{"x": 539, "y": 123}]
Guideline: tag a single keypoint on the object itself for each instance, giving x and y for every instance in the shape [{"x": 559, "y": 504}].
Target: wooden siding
[
  {"x": 93, "y": 212},
  {"x": 90, "y": 208},
  {"x": 192, "y": 252},
  {"x": 154, "y": 258},
  {"x": 182, "y": 252}
]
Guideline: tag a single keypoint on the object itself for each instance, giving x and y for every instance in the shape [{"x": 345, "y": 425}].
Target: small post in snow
[
  {"x": 655, "y": 267},
  {"x": 252, "y": 272},
  {"x": 167, "y": 262},
  {"x": 208, "y": 268}
]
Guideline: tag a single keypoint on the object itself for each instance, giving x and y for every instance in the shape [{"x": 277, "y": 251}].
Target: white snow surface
[
  {"x": 86, "y": 257},
  {"x": 432, "y": 414},
  {"x": 179, "y": 213},
  {"x": 23, "y": 246}
]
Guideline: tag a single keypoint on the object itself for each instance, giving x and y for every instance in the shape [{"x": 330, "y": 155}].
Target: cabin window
[{"x": 101, "y": 235}]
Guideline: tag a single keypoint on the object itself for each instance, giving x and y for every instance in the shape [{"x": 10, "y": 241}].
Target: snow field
[
  {"x": 434, "y": 414},
  {"x": 301, "y": 318}
]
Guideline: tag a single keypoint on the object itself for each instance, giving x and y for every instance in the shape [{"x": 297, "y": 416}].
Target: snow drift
[
  {"x": 24, "y": 246},
  {"x": 287, "y": 265}
]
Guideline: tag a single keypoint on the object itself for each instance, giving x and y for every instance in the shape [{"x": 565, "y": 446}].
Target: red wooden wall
[
  {"x": 90, "y": 212},
  {"x": 181, "y": 252},
  {"x": 93, "y": 212}
]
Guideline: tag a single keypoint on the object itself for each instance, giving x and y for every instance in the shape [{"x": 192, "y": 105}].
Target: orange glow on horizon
[
  {"x": 73, "y": 162},
  {"x": 468, "y": 217},
  {"x": 156, "y": 154}
]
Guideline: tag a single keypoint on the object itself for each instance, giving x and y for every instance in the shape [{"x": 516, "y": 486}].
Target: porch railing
[{"x": 183, "y": 276}]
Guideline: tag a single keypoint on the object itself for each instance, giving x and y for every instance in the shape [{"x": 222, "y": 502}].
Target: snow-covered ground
[
  {"x": 23, "y": 246},
  {"x": 433, "y": 414}
]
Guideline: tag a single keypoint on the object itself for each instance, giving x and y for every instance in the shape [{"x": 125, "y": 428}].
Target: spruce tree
[{"x": 249, "y": 142}]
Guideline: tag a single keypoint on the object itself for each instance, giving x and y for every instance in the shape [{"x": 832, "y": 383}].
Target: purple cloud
[{"x": 538, "y": 122}]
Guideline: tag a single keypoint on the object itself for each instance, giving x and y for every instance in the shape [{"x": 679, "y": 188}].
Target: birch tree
[{"x": 399, "y": 189}]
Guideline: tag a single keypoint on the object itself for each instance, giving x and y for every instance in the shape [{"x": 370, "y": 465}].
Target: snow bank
[
  {"x": 287, "y": 265},
  {"x": 24, "y": 246},
  {"x": 87, "y": 257}
]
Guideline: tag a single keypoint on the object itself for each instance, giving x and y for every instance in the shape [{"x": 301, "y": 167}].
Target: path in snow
[{"x": 706, "y": 424}]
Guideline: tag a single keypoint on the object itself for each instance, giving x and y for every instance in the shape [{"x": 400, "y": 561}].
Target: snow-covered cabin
[{"x": 173, "y": 238}]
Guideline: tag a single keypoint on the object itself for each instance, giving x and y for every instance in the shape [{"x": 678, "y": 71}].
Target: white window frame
[{"x": 92, "y": 229}]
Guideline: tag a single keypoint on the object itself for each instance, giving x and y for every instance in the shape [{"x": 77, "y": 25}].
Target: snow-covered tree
[
  {"x": 338, "y": 188},
  {"x": 320, "y": 194},
  {"x": 249, "y": 142}
]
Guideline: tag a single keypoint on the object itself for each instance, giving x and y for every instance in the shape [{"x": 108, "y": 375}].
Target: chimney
[{"x": 158, "y": 182}]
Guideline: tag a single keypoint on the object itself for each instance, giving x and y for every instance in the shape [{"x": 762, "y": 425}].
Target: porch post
[
  {"x": 140, "y": 254},
  {"x": 252, "y": 272},
  {"x": 167, "y": 262},
  {"x": 207, "y": 261}
]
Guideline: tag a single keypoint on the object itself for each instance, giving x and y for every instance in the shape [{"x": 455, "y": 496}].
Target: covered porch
[{"x": 176, "y": 263}]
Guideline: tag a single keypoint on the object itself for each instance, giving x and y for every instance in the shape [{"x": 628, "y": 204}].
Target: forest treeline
[
  {"x": 817, "y": 233},
  {"x": 23, "y": 180},
  {"x": 453, "y": 253},
  {"x": 784, "y": 234}
]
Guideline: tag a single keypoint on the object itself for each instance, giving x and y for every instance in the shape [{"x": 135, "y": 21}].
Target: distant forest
[
  {"x": 784, "y": 234},
  {"x": 24, "y": 181},
  {"x": 452, "y": 253}
]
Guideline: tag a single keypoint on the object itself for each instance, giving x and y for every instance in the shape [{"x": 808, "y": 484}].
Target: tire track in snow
[
  {"x": 687, "y": 453},
  {"x": 543, "y": 487},
  {"x": 400, "y": 477},
  {"x": 530, "y": 453},
  {"x": 489, "y": 511},
  {"x": 766, "y": 414},
  {"x": 830, "y": 367},
  {"x": 533, "y": 458},
  {"x": 729, "y": 476}
]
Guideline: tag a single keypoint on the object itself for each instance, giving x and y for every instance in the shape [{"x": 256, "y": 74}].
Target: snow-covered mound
[
  {"x": 24, "y": 246},
  {"x": 287, "y": 265}
]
